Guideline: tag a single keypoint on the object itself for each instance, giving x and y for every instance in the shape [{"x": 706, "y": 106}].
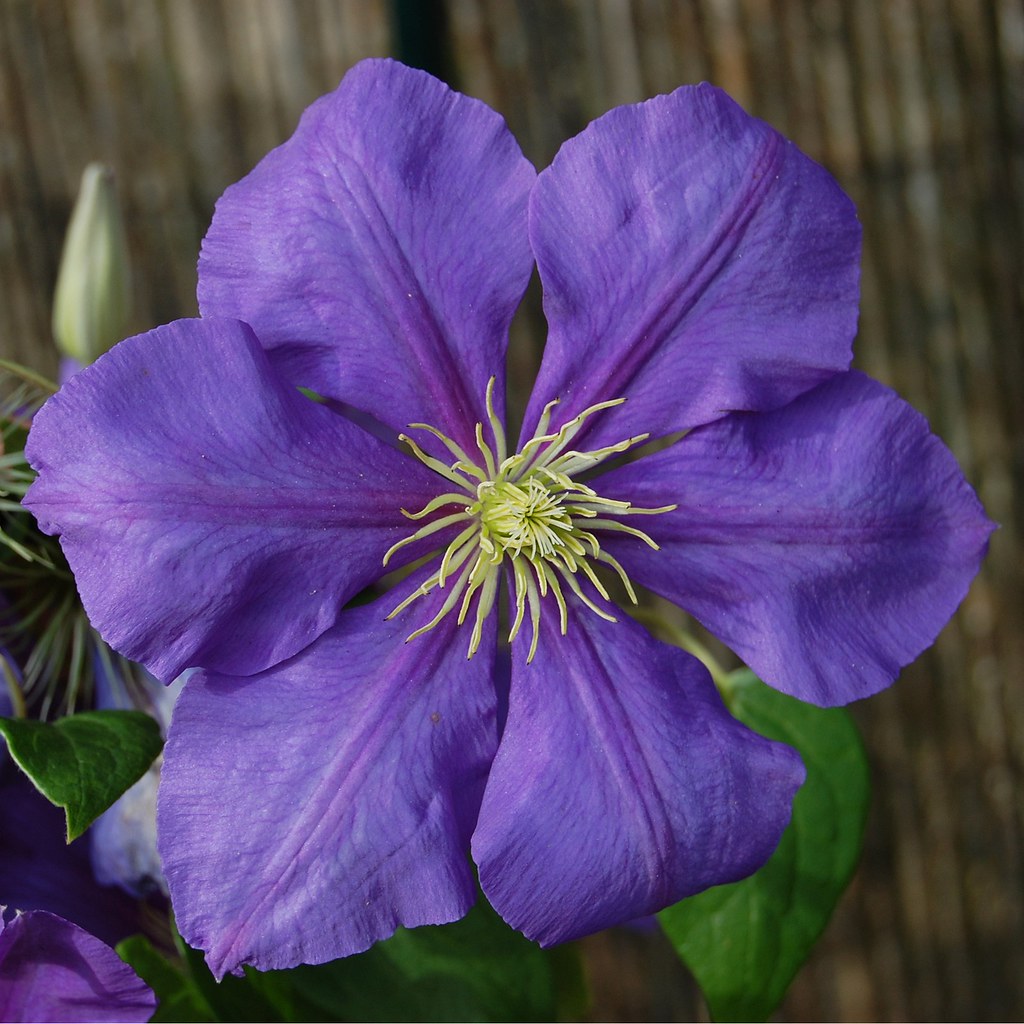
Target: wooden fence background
[{"x": 917, "y": 106}]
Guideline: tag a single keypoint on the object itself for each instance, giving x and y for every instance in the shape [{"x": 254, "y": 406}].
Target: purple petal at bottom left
[{"x": 52, "y": 970}]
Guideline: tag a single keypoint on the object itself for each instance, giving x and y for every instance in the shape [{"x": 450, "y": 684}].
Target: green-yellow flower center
[
  {"x": 526, "y": 516},
  {"x": 527, "y": 510}
]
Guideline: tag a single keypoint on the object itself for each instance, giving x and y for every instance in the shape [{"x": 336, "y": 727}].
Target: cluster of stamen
[{"x": 527, "y": 509}]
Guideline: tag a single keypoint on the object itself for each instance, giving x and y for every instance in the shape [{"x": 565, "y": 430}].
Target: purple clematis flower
[
  {"x": 52, "y": 970},
  {"x": 332, "y": 762}
]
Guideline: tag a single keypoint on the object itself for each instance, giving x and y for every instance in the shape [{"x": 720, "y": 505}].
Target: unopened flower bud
[{"x": 90, "y": 306}]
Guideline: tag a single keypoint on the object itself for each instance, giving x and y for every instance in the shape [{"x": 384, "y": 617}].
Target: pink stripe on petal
[
  {"x": 212, "y": 514},
  {"x": 307, "y": 812},
  {"x": 694, "y": 262},
  {"x": 621, "y": 784},
  {"x": 827, "y": 542},
  {"x": 380, "y": 253}
]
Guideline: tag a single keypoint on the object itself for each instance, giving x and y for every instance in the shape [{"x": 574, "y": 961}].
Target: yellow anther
[{"x": 529, "y": 510}]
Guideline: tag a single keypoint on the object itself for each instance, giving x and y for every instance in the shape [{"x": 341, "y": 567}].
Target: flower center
[
  {"x": 528, "y": 511},
  {"x": 527, "y": 515}
]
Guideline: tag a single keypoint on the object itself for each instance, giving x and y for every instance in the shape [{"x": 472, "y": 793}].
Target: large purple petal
[
  {"x": 211, "y": 513},
  {"x": 309, "y": 811},
  {"x": 694, "y": 262},
  {"x": 52, "y": 970},
  {"x": 621, "y": 784},
  {"x": 380, "y": 253},
  {"x": 827, "y": 543}
]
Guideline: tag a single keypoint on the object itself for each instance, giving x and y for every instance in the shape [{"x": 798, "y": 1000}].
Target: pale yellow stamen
[{"x": 527, "y": 509}]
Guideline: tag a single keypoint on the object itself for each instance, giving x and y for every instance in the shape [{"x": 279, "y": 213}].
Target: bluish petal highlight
[
  {"x": 827, "y": 543},
  {"x": 212, "y": 514},
  {"x": 380, "y": 253},
  {"x": 694, "y": 262},
  {"x": 621, "y": 784},
  {"x": 123, "y": 837},
  {"x": 307, "y": 812}
]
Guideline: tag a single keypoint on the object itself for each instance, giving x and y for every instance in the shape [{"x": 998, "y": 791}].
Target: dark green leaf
[
  {"x": 179, "y": 998},
  {"x": 474, "y": 969},
  {"x": 84, "y": 762},
  {"x": 188, "y": 992},
  {"x": 745, "y": 942},
  {"x": 239, "y": 998}
]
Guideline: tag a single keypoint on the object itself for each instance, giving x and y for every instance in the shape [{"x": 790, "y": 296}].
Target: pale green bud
[{"x": 91, "y": 302}]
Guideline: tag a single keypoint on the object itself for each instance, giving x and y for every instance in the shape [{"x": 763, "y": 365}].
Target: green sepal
[
  {"x": 746, "y": 941},
  {"x": 84, "y": 762}
]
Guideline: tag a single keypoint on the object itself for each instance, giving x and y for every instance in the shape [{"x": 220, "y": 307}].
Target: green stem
[
  {"x": 14, "y": 689},
  {"x": 24, "y": 373}
]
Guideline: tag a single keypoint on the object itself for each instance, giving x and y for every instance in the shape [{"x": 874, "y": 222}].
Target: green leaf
[
  {"x": 241, "y": 998},
  {"x": 746, "y": 941},
  {"x": 179, "y": 999},
  {"x": 475, "y": 969},
  {"x": 84, "y": 762},
  {"x": 188, "y": 992}
]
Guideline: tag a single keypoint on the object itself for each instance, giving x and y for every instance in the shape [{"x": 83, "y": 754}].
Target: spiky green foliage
[{"x": 50, "y": 654}]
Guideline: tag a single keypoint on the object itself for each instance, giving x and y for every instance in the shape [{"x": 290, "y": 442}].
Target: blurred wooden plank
[{"x": 181, "y": 97}]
